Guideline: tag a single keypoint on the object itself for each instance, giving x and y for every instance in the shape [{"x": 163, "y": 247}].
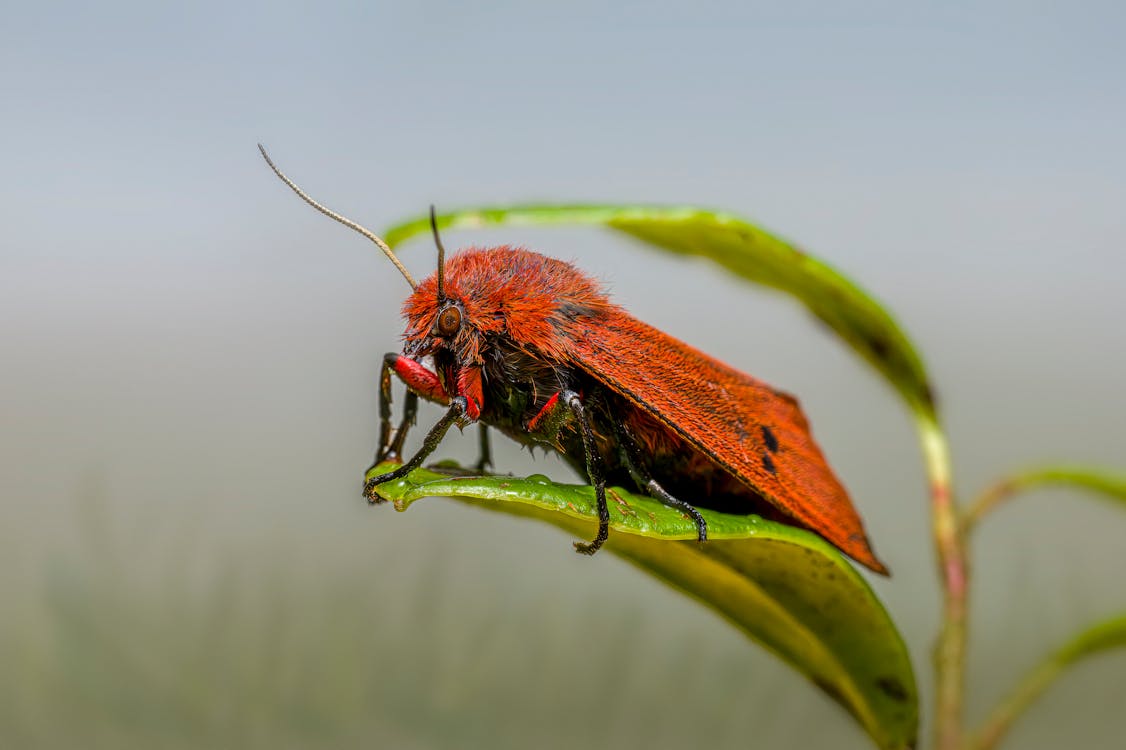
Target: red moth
[{"x": 532, "y": 346}]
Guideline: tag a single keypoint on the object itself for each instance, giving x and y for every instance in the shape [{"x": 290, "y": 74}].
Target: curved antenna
[
  {"x": 343, "y": 220},
  {"x": 441, "y": 255}
]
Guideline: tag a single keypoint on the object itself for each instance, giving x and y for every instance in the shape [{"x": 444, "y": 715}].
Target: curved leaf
[
  {"x": 1109, "y": 485},
  {"x": 746, "y": 250},
  {"x": 1104, "y": 636},
  {"x": 786, "y": 588}
]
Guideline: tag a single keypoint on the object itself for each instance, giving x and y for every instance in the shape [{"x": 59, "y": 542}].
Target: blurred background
[{"x": 190, "y": 355}]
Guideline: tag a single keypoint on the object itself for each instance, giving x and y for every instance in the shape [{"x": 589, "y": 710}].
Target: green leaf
[
  {"x": 746, "y": 250},
  {"x": 786, "y": 588}
]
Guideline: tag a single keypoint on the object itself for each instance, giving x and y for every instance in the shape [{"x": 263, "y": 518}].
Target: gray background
[{"x": 187, "y": 390}]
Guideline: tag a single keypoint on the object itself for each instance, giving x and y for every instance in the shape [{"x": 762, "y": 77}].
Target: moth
[{"x": 533, "y": 347}]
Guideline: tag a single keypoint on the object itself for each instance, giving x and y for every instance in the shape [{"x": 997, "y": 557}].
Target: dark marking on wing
[
  {"x": 770, "y": 440},
  {"x": 768, "y": 464}
]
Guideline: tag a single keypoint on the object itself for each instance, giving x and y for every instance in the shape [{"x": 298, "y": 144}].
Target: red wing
[{"x": 758, "y": 434}]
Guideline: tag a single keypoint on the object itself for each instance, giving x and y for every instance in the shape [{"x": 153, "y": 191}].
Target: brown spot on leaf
[
  {"x": 928, "y": 395},
  {"x": 879, "y": 347},
  {"x": 892, "y": 688}
]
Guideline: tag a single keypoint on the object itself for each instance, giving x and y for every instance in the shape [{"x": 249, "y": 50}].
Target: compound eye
[{"x": 449, "y": 321}]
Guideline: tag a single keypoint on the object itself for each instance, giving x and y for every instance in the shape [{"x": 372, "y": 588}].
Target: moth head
[{"x": 438, "y": 320}]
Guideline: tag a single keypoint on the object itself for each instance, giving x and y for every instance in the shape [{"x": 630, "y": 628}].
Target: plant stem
[
  {"x": 986, "y": 502},
  {"x": 1028, "y": 690},
  {"x": 1105, "y": 635},
  {"x": 1102, "y": 636},
  {"x": 1101, "y": 482},
  {"x": 950, "y": 650}
]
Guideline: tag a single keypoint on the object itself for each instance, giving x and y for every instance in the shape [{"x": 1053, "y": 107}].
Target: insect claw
[
  {"x": 584, "y": 548},
  {"x": 589, "y": 548}
]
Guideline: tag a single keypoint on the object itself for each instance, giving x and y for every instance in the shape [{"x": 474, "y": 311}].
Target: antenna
[
  {"x": 441, "y": 255},
  {"x": 345, "y": 221}
]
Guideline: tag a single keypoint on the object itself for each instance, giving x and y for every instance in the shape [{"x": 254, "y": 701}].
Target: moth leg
[
  {"x": 418, "y": 380},
  {"x": 547, "y": 417},
  {"x": 410, "y": 417},
  {"x": 391, "y": 441},
  {"x": 383, "y": 449},
  {"x": 632, "y": 455},
  {"x": 485, "y": 456},
  {"x": 457, "y": 411},
  {"x": 593, "y": 469}
]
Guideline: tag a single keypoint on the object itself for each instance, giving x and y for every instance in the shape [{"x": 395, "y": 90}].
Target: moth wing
[{"x": 756, "y": 433}]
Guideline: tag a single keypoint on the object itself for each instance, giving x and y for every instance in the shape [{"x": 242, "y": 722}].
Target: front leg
[
  {"x": 391, "y": 442},
  {"x": 456, "y": 412},
  {"x": 419, "y": 381}
]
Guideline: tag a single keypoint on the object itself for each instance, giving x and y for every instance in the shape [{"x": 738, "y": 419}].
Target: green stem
[
  {"x": 950, "y": 650},
  {"x": 1027, "y": 691},
  {"x": 1110, "y": 634},
  {"x": 993, "y": 496},
  {"x": 1094, "y": 480},
  {"x": 1100, "y": 637}
]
